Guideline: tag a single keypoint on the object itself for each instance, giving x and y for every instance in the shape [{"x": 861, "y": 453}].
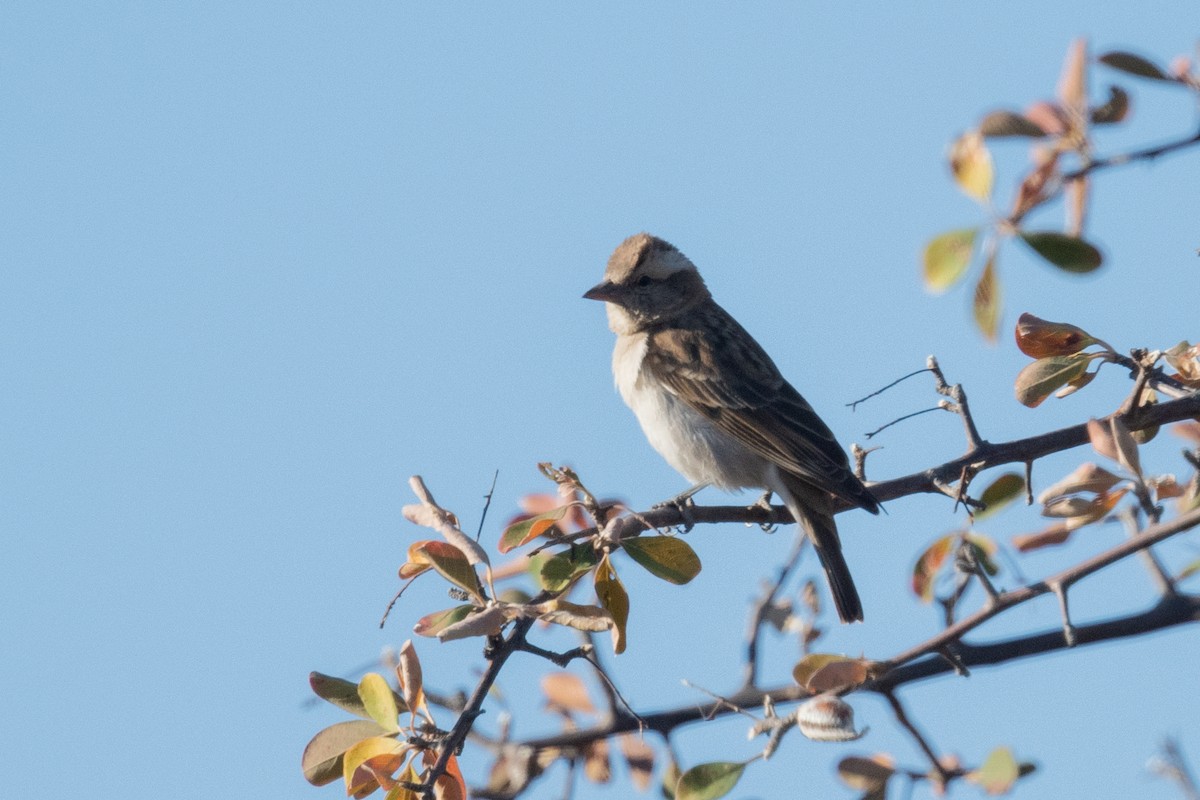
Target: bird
[{"x": 714, "y": 405}]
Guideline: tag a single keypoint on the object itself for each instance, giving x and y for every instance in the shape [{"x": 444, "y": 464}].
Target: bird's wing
[{"x": 712, "y": 364}]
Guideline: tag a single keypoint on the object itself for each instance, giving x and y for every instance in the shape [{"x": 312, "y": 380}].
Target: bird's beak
[{"x": 605, "y": 290}]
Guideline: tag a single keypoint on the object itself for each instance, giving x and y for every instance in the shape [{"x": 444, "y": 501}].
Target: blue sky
[{"x": 264, "y": 261}]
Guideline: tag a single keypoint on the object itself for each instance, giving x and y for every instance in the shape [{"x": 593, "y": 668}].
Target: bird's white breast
[{"x": 684, "y": 437}]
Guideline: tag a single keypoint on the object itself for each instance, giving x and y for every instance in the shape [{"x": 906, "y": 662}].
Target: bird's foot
[
  {"x": 764, "y": 503},
  {"x": 683, "y": 503}
]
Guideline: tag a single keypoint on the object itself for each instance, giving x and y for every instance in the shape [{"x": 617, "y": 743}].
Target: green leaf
[
  {"x": 998, "y": 773},
  {"x": 1039, "y": 380},
  {"x": 527, "y": 530},
  {"x": 1134, "y": 65},
  {"x": 999, "y": 124},
  {"x": 379, "y": 701},
  {"x": 947, "y": 257},
  {"x": 1068, "y": 253},
  {"x": 452, "y": 564},
  {"x": 342, "y": 693},
  {"x": 562, "y": 569},
  {"x": 666, "y": 557},
  {"x": 986, "y": 301},
  {"x": 999, "y": 493},
  {"x": 322, "y": 759},
  {"x": 435, "y": 623},
  {"x": 709, "y": 781},
  {"x": 614, "y": 599}
]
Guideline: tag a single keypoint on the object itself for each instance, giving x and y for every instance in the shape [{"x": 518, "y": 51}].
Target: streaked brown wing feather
[{"x": 697, "y": 360}]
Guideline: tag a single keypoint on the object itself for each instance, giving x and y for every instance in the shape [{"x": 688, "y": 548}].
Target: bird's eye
[{"x": 644, "y": 280}]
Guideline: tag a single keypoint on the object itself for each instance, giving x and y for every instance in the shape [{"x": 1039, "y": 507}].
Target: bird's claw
[
  {"x": 764, "y": 503},
  {"x": 683, "y": 504}
]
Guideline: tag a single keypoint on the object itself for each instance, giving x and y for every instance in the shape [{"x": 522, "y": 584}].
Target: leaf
[
  {"x": 596, "y": 765},
  {"x": 451, "y": 785},
  {"x": 927, "y": 566},
  {"x": 971, "y": 164},
  {"x": 998, "y": 773},
  {"x": 999, "y": 493},
  {"x": 1037, "y": 381},
  {"x": 1148, "y": 398},
  {"x": 486, "y": 622},
  {"x": 1127, "y": 449},
  {"x": 565, "y": 691},
  {"x": 1188, "y": 571},
  {"x": 322, "y": 759},
  {"x": 1075, "y": 385},
  {"x": 1077, "y": 202},
  {"x": 986, "y": 301},
  {"x": 639, "y": 756},
  {"x": 408, "y": 673},
  {"x": 435, "y": 623},
  {"x": 1087, "y": 477},
  {"x": 615, "y": 600},
  {"x": 999, "y": 124},
  {"x": 452, "y": 564},
  {"x": 359, "y": 779},
  {"x": 1039, "y": 338},
  {"x": 1033, "y": 190},
  {"x": 562, "y": 569},
  {"x": 1132, "y": 64},
  {"x": 528, "y": 529},
  {"x": 583, "y": 618},
  {"x": 379, "y": 701},
  {"x": 342, "y": 693},
  {"x": 807, "y": 667},
  {"x": 984, "y": 550},
  {"x": 1068, "y": 253},
  {"x": 866, "y": 774},
  {"x": 1072, "y": 86},
  {"x": 709, "y": 781},
  {"x": 1101, "y": 437},
  {"x": 1115, "y": 109},
  {"x": 841, "y": 674},
  {"x": 445, "y": 523},
  {"x": 947, "y": 257},
  {"x": 666, "y": 557},
  {"x": 417, "y": 562}
]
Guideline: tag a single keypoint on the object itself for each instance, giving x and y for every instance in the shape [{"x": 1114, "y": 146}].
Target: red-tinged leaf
[
  {"x": 1000, "y": 124},
  {"x": 1068, "y": 253},
  {"x": 1072, "y": 86},
  {"x": 445, "y": 523},
  {"x": 530, "y": 528},
  {"x": 1048, "y": 537},
  {"x": 1050, "y": 117},
  {"x": 1037, "y": 381},
  {"x": 379, "y": 701},
  {"x": 639, "y": 756},
  {"x": 614, "y": 599},
  {"x": 986, "y": 300},
  {"x": 1132, "y": 64},
  {"x": 322, "y": 759},
  {"x": 408, "y": 673},
  {"x": 999, "y": 493},
  {"x": 562, "y": 569},
  {"x": 927, "y": 566},
  {"x": 398, "y": 792},
  {"x": 1077, "y": 203},
  {"x": 1188, "y": 429},
  {"x": 359, "y": 777},
  {"x": 417, "y": 562},
  {"x": 583, "y": 618},
  {"x": 1115, "y": 109},
  {"x": 866, "y": 774},
  {"x": 435, "y": 623},
  {"x": 998, "y": 773},
  {"x": 838, "y": 675},
  {"x": 1127, "y": 449},
  {"x": 1087, "y": 477},
  {"x": 565, "y": 691},
  {"x": 1100, "y": 435},
  {"x": 1039, "y": 338},
  {"x": 487, "y": 622},
  {"x": 971, "y": 164},
  {"x": 452, "y": 564},
  {"x": 709, "y": 781},
  {"x": 666, "y": 557},
  {"x": 947, "y": 257},
  {"x": 1034, "y": 190},
  {"x": 451, "y": 785}
]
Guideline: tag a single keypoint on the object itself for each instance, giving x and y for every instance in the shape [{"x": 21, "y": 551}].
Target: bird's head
[{"x": 647, "y": 282}]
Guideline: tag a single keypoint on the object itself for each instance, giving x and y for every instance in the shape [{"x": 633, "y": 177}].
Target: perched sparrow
[{"x": 714, "y": 405}]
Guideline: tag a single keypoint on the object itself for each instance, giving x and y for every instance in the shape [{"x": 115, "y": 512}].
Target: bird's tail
[{"x": 813, "y": 509}]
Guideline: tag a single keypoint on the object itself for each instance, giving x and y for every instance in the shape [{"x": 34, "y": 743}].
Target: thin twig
[
  {"x": 487, "y": 503},
  {"x": 758, "y": 613},
  {"x": 877, "y": 392},
  {"x": 883, "y": 428},
  {"x": 943, "y": 775}
]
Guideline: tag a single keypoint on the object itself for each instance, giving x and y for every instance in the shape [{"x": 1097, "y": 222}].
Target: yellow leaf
[
  {"x": 971, "y": 164},
  {"x": 615, "y": 600},
  {"x": 986, "y": 305},
  {"x": 947, "y": 257}
]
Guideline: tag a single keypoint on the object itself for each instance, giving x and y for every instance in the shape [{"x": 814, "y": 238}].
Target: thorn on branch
[
  {"x": 954, "y": 661},
  {"x": 1060, "y": 589}
]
